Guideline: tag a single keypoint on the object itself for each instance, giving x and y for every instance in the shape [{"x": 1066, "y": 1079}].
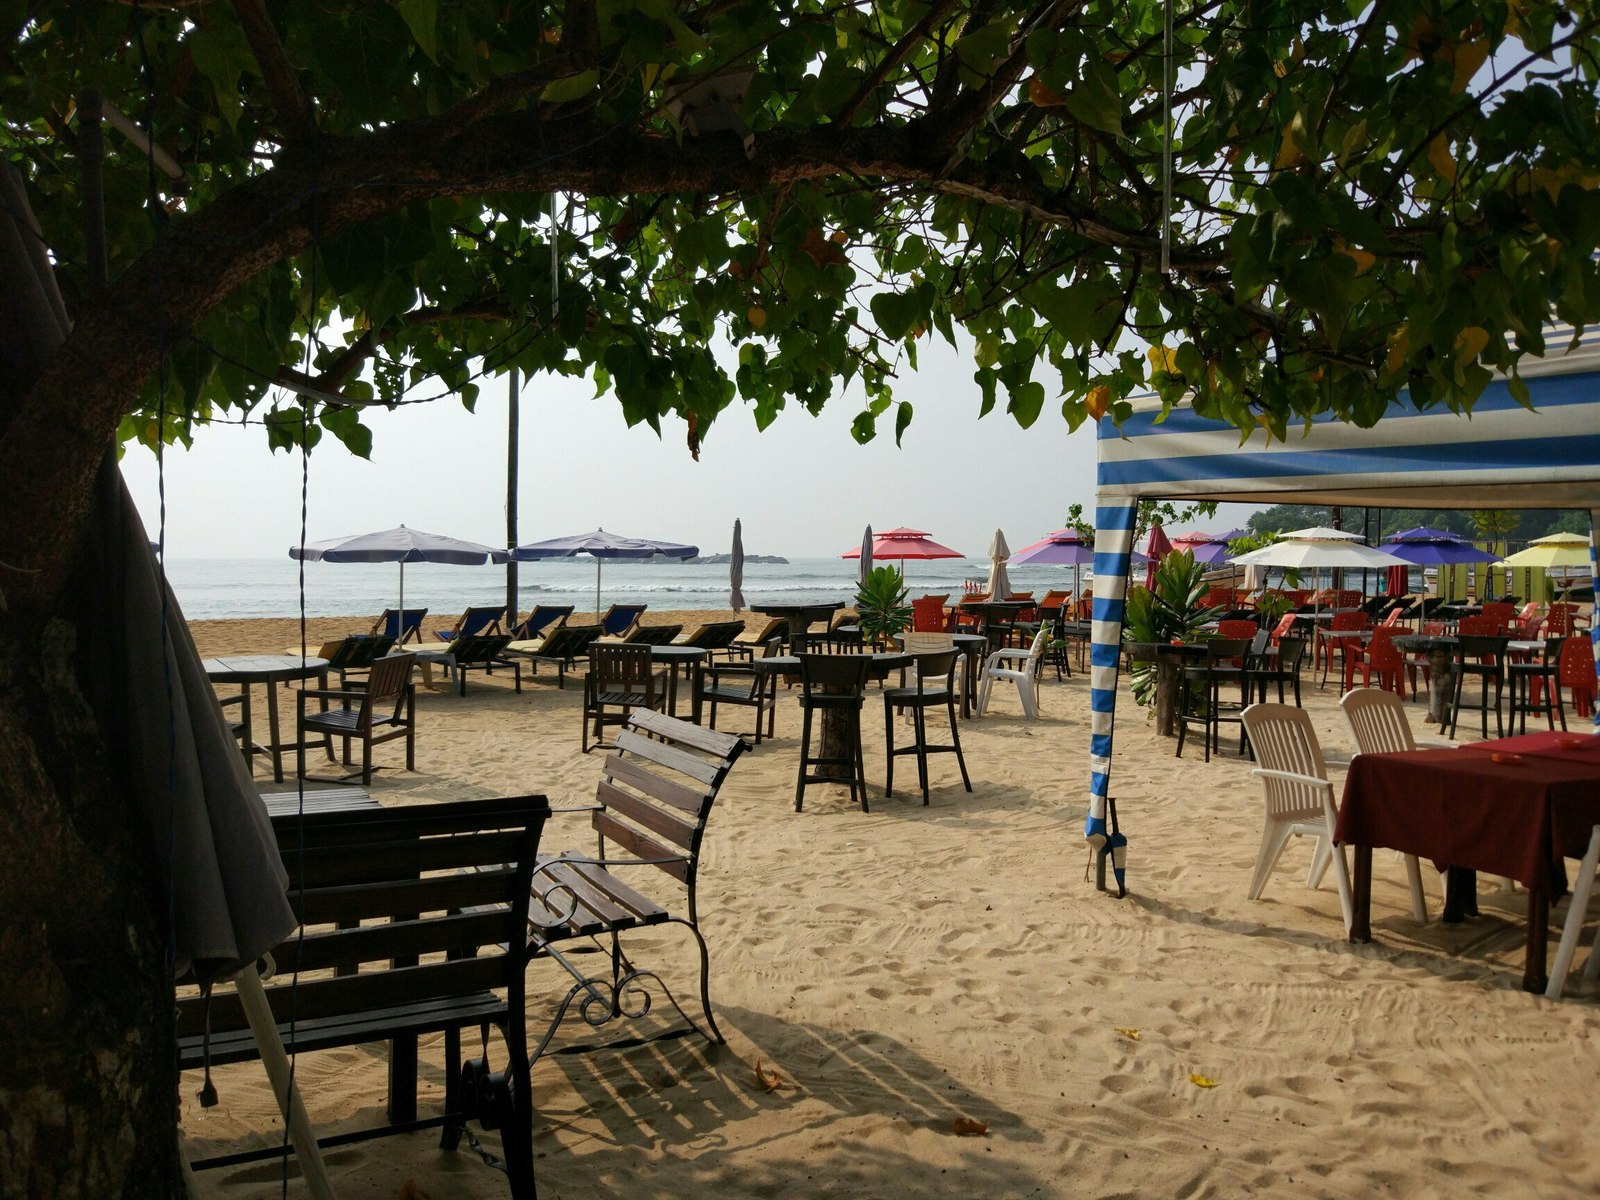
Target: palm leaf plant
[
  {"x": 881, "y": 608},
  {"x": 1171, "y": 610}
]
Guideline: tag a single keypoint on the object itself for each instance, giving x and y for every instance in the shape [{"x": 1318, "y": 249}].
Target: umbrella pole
[
  {"x": 598, "y": 562},
  {"x": 400, "y": 621}
]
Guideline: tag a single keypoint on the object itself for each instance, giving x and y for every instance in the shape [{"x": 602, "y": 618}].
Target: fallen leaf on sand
[
  {"x": 967, "y": 1127},
  {"x": 1202, "y": 1081},
  {"x": 1131, "y": 1034},
  {"x": 410, "y": 1191},
  {"x": 767, "y": 1081}
]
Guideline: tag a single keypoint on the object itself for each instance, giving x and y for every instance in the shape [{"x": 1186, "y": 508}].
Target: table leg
[
  {"x": 1460, "y": 895},
  {"x": 697, "y": 682},
  {"x": 274, "y": 746},
  {"x": 672, "y": 689},
  {"x": 1535, "y": 978},
  {"x": 1361, "y": 895},
  {"x": 1439, "y": 686},
  {"x": 249, "y": 730}
]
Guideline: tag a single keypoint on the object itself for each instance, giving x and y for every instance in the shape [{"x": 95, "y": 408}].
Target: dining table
[
  {"x": 247, "y": 670},
  {"x": 1169, "y": 659},
  {"x": 1516, "y": 807},
  {"x": 688, "y": 659},
  {"x": 800, "y": 618},
  {"x": 834, "y": 738},
  {"x": 998, "y": 617}
]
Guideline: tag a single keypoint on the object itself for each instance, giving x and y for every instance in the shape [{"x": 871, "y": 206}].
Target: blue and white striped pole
[
  {"x": 1594, "y": 608},
  {"x": 1113, "y": 548}
]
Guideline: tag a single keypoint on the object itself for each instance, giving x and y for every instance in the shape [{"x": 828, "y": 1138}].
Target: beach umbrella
[
  {"x": 1556, "y": 550},
  {"x": 865, "y": 566},
  {"x": 1208, "y": 548},
  {"x": 1320, "y": 549},
  {"x": 398, "y": 545},
  {"x": 999, "y": 584},
  {"x": 1157, "y": 548},
  {"x": 1424, "y": 547},
  {"x": 901, "y": 544},
  {"x": 736, "y": 570},
  {"x": 602, "y": 545}
]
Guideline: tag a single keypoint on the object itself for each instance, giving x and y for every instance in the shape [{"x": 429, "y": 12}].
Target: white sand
[{"x": 909, "y": 966}]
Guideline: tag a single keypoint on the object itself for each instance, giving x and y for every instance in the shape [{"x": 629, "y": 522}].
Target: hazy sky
[{"x": 802, "y": 488}]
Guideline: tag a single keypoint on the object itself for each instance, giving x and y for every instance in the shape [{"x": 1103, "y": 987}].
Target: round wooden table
[
  {"x": 270, "y": 669},
  {"x": 833, "y": 720},
  {"x": 676, "y": 657},
  {"x": 800, "y": 617},
  {"x": 1169, "y": 660}
]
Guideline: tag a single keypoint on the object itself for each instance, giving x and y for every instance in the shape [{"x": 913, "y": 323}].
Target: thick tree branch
[
  {"x": 897, "y": 54},
  {"x": 288, "y": 97}
]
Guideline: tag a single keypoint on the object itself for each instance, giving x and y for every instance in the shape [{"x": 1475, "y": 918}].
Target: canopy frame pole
[{"x": 1113, "y": 551}]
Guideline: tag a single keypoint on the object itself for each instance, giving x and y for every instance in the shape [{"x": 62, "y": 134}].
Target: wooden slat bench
[
  {"x": 412, "y": 923},
  {"x": 653, "y": 801}
]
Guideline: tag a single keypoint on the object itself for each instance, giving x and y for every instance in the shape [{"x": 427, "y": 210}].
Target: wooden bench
[
  {"x": 653, "y": 800},
  {"x": 412, "y": 923}
]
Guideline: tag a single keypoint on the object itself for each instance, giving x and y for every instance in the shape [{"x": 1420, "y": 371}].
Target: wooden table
[
  {"x": 1169, "y": 660},
  {"x": 833, "y": 735},
  {"x": 998, "y": 616},
  {"x": 270, "y": 669},
  {"x": 1461, "y": 808},
  {"x": 800, "y": 617},
  {"x": 676, "y": 657}
]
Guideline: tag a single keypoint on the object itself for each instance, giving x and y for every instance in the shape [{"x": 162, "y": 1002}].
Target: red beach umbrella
[
  {"x": 1157, "y": 548},
  {"x": 903, "y": 544}
]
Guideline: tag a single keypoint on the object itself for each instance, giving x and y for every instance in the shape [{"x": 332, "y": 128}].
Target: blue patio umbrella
[
  {"x": 1434, "y": 547},
  {"x": 398, "y": 545},
  {"x": 601, "y": 545}
]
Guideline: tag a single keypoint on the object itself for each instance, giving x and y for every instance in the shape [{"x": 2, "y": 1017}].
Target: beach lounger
[
  {"x": 561, "y": 650},
  {"x": 715, "y": 637},
  {"x": 402, "y": 626},
  {"x": 483, "y": 619},
  {"x": 652, "y": 635},
  {"x": 620, "y": 618},
  {"x": 355, "y": 653},
  {"x": 776, "y": 628},
  {"x": 477, "y": 652},
  {"x": 544, "y": 620}
]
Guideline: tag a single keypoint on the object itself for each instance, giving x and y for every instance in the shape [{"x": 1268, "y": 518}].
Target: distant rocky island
[{"x": 721, "y": 560}]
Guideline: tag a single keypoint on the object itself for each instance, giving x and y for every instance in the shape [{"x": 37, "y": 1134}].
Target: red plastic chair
[
  {"x": 1237, "y": 629},
  {"x": 1282, "y": 628},
  {"x": 1501, "y": 614},
  {"x": 1577, "y": 674},
  {"x": 1381, "y": 656},
  {"x": 1342, "y": 622},
  {"x": 1559, "y": 622},
  {"x": 928, "y": 614},
  {"x": 1478, "y": 626}
]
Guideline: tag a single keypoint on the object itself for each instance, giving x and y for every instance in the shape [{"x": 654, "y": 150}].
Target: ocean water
[{"x": 215, "y": 588}]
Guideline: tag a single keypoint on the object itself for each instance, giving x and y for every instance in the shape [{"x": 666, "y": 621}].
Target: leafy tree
[
  {"x": 1151, "y": 512},
  {"x": 381, "y": 195}
]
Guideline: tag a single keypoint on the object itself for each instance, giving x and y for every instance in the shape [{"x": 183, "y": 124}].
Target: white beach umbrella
[{"x": 999, "y": 581}]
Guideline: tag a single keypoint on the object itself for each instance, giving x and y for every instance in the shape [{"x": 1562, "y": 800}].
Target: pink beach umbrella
[{"x": 903, "y": 544}]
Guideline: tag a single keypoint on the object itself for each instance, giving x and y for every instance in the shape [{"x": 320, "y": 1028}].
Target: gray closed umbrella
[
  {"x": 865, "y": 567},
  {"x": 736, "y": 570}
]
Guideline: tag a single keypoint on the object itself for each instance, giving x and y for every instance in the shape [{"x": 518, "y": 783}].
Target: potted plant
[
  {"x": 881, "y": 608},
  {"x": 1170, "y": 612}
]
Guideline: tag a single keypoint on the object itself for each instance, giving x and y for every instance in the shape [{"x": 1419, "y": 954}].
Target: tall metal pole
[{"x": 513, "y": 426}]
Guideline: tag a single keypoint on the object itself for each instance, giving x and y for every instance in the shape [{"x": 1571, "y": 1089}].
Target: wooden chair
[
  {"x": 833, "y": 684},
  {"x": 934, "y": 687},
  {"x": 544, "y": 620},
  {"x": 621, "y": 677},
  {"x": 482, "y": 619},
  {"x": 400, "y": 625},
  {"x": 376, "y": 890},
  {"x": 738, "y": 683},
  {"x": 655, "y": 795},
  {"x": 381, "y": 711},
  {"x": 1299, "y": 798}
]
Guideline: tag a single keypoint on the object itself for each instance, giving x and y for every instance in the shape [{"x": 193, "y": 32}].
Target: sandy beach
[{"x": 904, "y": 968}]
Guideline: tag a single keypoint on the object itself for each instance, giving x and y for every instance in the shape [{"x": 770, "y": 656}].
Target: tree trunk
[{"x": 88, "y": 1100}]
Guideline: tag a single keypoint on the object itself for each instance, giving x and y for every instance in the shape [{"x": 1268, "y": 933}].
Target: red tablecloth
[{"x": 1462, "y": 809}]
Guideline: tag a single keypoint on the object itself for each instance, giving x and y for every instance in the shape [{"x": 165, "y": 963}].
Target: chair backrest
[
  {"x": 1486, "y": 649},
  {"x": 1392, "y": 617},
  {"x": 400, "y": 624},
  {"x": 1377, "y": 720},
  {"x": 652, "y": 635},
  {"x": 1577, "y": 665},
  {"x": 619, "y": 618},
  {"x": 375, "y": 889},
  {"x": 478, "y": 648},
  {"x": 386, "y": 687},
  {"x": 621, "y": 664},
  {"x": 937, "y": 668},
  {"x": 356, "y": 652},
  {"x": 1477, "y": 625},
  {"x": 921, "y": 642},
  {"x": 1226, "y": 651},
  {"x": 657, "y": 788},
  {"x": 1381, "y": 650},
  {"x": 776, "y": 629},
  {"x": 545, "y": 619},
  {"x": 1290, "y": 651},
  {"x": 1236, "y": 628},
  {"x": 1282, "y": 628},
  {"x": 1344, "y": 622},
  {"x": 569, "y": 641},
  {"x": 833, "y": 674},
  {"x": 1560, "y": 618},
  {"x": 943, "y": 599},
  {"x": 1501, "y": 614},
  {"x": 716, "y": 635},
  {"x": 1283, "y": 739},
  {"x": 479, "y": 619},
  {"x": 927, "y": 614}
]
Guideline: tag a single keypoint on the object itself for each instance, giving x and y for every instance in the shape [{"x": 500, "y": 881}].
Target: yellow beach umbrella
[{"x": 1557, "y": 550}]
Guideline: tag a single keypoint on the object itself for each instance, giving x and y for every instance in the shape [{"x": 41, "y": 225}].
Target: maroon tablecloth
[{"x": 1461, "y": 808}]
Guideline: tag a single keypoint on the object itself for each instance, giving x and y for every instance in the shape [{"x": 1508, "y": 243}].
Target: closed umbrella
[
  {"x": 602, "y": 545},
  {"x": 999, "y": 582},
  {"x": 864, "y": 568},
  {"x": 398, "y": 545},
  {"x": 736, "y": 570},
  {"x": 1157, "y": 548}
]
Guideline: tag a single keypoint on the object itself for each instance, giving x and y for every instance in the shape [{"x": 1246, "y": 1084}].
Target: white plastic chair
[
  {"x": 1577, "y": 909},
  {"x": 1377, "y": 720},
  {"x": 1299, "y": 798},
  {"x": 924, "y": 642},
  {"x": 1019, "y": 666}
]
